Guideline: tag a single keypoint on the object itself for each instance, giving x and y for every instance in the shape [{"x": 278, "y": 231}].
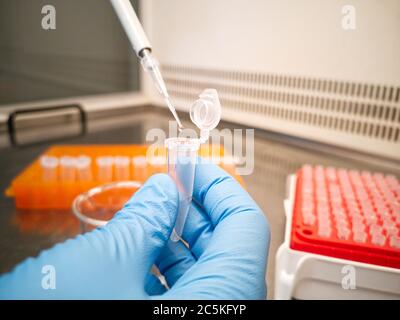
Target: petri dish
[{"x": 94, "y": 208}]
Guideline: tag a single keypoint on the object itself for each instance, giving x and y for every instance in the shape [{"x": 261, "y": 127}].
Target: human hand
[
  {"x": 226, "y": 231},
  {"x": 228, "y": 241},
  {"x": 111, "y": 262}
]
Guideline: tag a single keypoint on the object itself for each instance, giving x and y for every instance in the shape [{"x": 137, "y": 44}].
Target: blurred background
[
  {"x": 87, "y": 54},
  {"x": 318, "y": 80}
]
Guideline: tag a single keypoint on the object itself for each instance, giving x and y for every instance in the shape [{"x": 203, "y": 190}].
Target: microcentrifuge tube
[
  {"x": 182, "y": 158},
  {"x": 139, "y": 168},
  {"x": 83, "y": 168},
  {"x": 122, "y": 166},
  {"x": 49, "y": 166},
  {"x": 67, "y": 168},
  {"x": 105, "y": 168}
]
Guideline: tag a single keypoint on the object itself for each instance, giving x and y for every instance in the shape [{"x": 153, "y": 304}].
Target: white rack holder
[{"x": 304, "y": 275}]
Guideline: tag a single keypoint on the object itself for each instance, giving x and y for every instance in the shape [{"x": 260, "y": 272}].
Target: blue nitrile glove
[
  {"x": 111, "y": 262},
  {"x": 227, "y": 233},
  {"x": 228, "y": 237}
]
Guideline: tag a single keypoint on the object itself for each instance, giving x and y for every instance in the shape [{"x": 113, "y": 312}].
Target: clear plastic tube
[
  {"x": 105, "y": 168},
  {"x": 139, "y": 168},
  {"x": 150, "y": 65},
  {"x": 67, "y": 168},
  {"x": 122, "y": 164},
  {"x": 49, "y": 166},
  {"x": 83, "y": 168},
  {"x": 182, "y": 157}
]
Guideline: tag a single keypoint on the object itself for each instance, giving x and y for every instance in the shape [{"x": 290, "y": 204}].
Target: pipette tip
[{"x": 172, "y": 109}]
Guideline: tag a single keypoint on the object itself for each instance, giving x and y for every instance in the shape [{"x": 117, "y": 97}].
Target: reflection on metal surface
[
  {"x": 46, "y": 222},
  {"x": 43, "y": 112}
]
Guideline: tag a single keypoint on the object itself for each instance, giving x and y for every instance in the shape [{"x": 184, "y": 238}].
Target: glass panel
[{"x": 86, "y": 53}]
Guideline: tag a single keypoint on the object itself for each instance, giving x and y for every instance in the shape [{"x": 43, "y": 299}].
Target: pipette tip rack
[{"x": 347, "y": 214}]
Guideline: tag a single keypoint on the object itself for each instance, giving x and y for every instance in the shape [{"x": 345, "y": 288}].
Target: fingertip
[{"x": 154, "y": 285}]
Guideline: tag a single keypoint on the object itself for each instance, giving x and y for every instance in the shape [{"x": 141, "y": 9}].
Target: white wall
[
  {"x": 237, "y": 46},
  {"x": 284, "y": 36}
]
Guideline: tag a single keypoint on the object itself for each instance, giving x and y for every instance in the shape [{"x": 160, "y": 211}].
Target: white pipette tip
[
  {"x": 150, "y": 65},
  {"x": 172, "y": 109}
]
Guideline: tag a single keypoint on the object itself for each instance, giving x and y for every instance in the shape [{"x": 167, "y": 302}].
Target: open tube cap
[{"x": 205, "y": 112}]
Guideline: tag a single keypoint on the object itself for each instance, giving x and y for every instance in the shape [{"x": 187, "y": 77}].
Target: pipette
[{"x": 142, "y": 47}]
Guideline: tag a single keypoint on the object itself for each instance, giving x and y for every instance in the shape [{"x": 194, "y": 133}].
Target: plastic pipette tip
[{"x": 172, "y": 109}]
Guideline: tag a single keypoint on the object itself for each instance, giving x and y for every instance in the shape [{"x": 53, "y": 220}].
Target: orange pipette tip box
[{"x": 33, "y": 189}]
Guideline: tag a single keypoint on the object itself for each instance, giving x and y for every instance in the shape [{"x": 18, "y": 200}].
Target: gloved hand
[
  {"x": 228, "y": 238},
  {"x": 227, "y": 234}
]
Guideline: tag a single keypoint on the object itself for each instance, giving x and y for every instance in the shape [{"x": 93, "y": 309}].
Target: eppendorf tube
[
  {"x": 49, "y": 166},
  {"x": 139, "y": 168},
  {"x": 83, "y": 168},
  {"x": 67, "y": 168},
  {"x": 105, "y": 168},
  {"x": 182, "y": 158},
  {"x": 122, "y": 168}
]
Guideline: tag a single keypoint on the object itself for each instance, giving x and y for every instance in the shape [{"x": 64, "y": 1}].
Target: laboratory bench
[{"x": 24, "y": 233}]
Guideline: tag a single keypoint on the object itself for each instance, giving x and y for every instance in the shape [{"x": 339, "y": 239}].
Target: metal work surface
[{"x": 26, "y": 233}]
